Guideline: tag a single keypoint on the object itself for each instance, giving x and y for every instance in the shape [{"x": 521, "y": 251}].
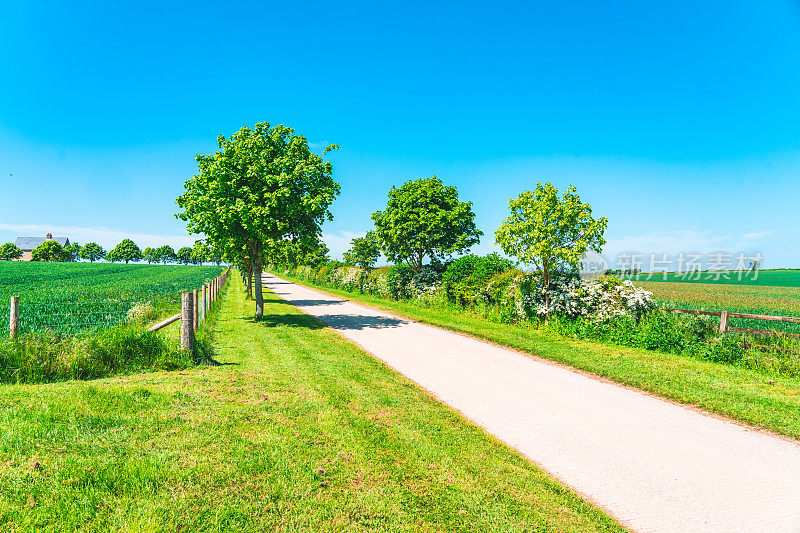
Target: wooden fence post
[
  {"x": 187, "y": 333},
  {"x": 13, "y": 317},
  {"x": 203, "y": 307},
  {"x": 195, "y": 310},
  {"x": 723, "y": 322}
]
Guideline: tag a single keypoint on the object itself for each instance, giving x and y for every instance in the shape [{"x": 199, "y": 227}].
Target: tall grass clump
[{"x": 47, "y": 357}]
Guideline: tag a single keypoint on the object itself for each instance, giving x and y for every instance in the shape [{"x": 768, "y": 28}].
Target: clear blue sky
[{"x": 679, "y": 121}]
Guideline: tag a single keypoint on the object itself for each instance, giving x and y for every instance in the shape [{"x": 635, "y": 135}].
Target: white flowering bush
[
  {"x": 570, "y": 296},
  {"x": 609, "y": 297}
]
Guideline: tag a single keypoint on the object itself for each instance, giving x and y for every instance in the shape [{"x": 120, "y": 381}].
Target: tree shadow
[
  {"x": 359, "y": 322},
  {"x": 214, "y": 362},
  {"x": 273, "y": 320}
]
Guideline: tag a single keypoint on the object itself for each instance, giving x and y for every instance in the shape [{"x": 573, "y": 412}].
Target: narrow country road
[{"x": 653, "y": 465}]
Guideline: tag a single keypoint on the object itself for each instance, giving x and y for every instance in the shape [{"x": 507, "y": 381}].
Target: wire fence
[{"x": 79, "y": 317}]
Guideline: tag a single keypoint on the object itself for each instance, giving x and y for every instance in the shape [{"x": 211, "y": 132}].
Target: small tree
[
  {"x": 92, "y": 252},
  {"x": 149, "y": 254},
  {"x": 424, "y": 218},
  {"x": 9, "y": 252},
  {"x": 549, "y": 232},
  {"x": 200, "y": 252},
  {"x": 72, "y": 252},
  {"x": 364, "y": 252},
  {"x": 49, "y": 250},
  {"x": 166, "y": 254},
  {"x": 125, "y": 251},
  {"x": 185, "y": 255}
]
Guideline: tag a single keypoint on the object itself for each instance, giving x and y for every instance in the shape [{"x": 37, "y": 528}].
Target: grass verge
[
  {"x": 770, "y": 402},
  {"x": 297, "y": 430}
]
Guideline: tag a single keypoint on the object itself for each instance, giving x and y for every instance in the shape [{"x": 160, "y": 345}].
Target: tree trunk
[
  {"x": 546, "y": 279},
  {"x": 257, "y": 275},
  {"x": 250, "y": 283}
]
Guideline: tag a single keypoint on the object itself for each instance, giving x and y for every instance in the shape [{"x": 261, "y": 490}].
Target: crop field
[
  {"x": 72, "y": 298},
  {"x": 768, "y": 278},
  {"x": 751, "y": 296}
]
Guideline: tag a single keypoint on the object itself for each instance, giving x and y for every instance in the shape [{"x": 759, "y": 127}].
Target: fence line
[{"x": 725, "y": 315}]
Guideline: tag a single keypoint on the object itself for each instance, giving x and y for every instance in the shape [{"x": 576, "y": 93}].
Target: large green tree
[
  {"x": 9, "y": 252},
  {"x": 424, "y": 218},
  {"x": 126, "y": 251},
  {"x": 92, "y": 252},
  {"x": 263, "y": 187},
  {"x": 550, "y": 232}
]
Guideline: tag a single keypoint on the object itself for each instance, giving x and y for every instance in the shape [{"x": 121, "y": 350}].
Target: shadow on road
[{"x": 361, "y": 321}]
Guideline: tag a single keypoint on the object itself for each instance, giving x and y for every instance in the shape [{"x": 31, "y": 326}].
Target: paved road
[{"x": 654, "y": 465}]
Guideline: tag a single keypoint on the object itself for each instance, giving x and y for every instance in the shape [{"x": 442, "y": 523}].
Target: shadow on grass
[
  {"x": 273, "y": 320},
  {"x": 356, "y": 322}
]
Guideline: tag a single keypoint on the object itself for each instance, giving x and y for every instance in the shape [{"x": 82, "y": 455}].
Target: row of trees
[
  {"x": 424, "y": 218},
  {"x": 126, "y": 251},
  {"x": 263, "y": 197}
]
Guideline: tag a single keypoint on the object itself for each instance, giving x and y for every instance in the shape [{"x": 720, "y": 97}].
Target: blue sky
[{"x": 678, "y": 121}]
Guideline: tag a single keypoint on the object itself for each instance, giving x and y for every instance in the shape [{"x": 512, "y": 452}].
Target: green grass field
[
  {"x": 770, "y": 278},
  {"x": 297, "y": 430},
  {"x": 74, "y": 297}
]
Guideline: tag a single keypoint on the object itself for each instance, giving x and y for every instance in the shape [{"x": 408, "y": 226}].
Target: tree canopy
[
  {"x": 184, "y": 255},
  {"x": 72, "y": 252},
  {"x": 200, "y": 252},
  {"x": 9, "y": 252},
  {"x": 424, "y": 218},
  {"x": 364, "y": 251},
  {"x": 550, "y": 232},
  {"x": 125, "y": 251},
  {"x": 92, "y": 252},
  {"x": 263, "y": 187},
  {"x": 49, "y": 251},
  {"x": 149, "y": 255},
  {"x": 166, "y": 254}
]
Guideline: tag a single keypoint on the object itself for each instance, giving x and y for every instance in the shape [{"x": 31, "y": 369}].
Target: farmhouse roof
[{"x": 26, "y": 244}]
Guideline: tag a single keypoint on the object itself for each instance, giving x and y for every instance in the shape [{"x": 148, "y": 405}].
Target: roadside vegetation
[{"x": 297, "y": 430}]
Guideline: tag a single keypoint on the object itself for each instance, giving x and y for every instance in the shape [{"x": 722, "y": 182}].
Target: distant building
[{"x": 29, "y": 244}]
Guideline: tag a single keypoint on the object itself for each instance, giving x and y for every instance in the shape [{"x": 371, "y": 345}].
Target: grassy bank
[
  {"x": 297, "y": 430},
  {"x": 771, "y": 402}
]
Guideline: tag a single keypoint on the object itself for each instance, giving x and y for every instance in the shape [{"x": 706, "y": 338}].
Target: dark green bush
[
  {"x": 398, "y": 280},
  {"x": 465, "y": 277}
]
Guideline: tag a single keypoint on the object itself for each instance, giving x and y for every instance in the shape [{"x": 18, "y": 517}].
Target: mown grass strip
[
  {"x": 298, "y": 430},
  {"x": 752, "y": 397}
]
